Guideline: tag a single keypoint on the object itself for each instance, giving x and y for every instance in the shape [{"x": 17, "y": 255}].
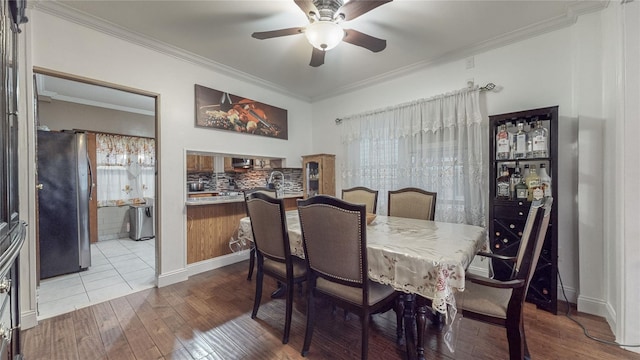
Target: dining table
[{"x": 424, "y": 259}]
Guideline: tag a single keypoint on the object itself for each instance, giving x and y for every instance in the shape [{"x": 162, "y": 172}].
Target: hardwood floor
[{"x": 208, "y": 317}]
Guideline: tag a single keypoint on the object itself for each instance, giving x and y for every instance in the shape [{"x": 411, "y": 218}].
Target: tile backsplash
[{"x": 225, "y": 181}]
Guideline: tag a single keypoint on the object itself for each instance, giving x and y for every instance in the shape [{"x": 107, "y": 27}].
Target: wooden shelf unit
[{"x": 318, "y": 175}]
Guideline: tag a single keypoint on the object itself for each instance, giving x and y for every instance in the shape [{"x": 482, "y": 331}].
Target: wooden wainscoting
[{"x": 209, "y": 228}]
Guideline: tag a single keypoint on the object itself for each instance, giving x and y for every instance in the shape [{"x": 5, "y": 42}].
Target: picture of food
[{"x": 221, "y": 110}]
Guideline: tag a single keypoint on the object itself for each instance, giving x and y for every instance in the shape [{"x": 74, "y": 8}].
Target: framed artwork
[{"x": 223, "y": 111}]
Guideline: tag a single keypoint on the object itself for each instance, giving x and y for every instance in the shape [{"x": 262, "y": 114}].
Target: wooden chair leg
[
  {"x": 365, "y": 336},
  {"x": 289, "y": 311},
  {"x": 516, "y": 338},
  {"x": 311, "y": 314},
  {"x": 258, "y": 296},
  {"x": 252, "y": 260}
]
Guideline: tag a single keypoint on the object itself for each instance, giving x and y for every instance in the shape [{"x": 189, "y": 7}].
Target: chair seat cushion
[
  {"x": 377, "y": 291},
  {"x": 484, "y": 300},
  {"x": 299, "y": 267}
]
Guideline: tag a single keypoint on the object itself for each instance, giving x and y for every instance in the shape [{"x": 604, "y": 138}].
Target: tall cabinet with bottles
[
  {"x": 524, "y": 166},
  {"x": 12, "y": 228},
  {"x": 318, "y": 175}
]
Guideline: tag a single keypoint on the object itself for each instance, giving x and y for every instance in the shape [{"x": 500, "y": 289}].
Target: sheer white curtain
[
  {"x": 437, "y": 144},
  {"x": 126, "y": 169}
]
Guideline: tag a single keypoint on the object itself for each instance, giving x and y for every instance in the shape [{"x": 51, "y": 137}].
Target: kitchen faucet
[{"x": 279, "y": 187}]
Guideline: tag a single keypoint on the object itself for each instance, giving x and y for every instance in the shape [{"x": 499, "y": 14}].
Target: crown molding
[
  {"x": 573, "y": 12},
  {"x": 81, "y": 18}
]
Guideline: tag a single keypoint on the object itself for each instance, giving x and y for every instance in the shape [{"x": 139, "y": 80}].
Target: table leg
[
  {"x": 421, "y": 322},
  {"x": 400, "y": 339},
  {"x": 409, "y": 321}
]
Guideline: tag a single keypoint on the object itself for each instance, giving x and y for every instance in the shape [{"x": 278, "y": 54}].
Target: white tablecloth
[{"x": 426, "y": 258}]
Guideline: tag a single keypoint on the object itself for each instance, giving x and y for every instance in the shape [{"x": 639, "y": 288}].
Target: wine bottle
[
  {"x": 533, "y": 184},
  {"x": 540, "y": 144},
  {"x": 516, "y": 178},
  {"x": 522, "y": 191},
  {"x": 502, "y": 184},
  {"x": 545, "y": 181},
  {"x": 502, "y": 143},
  {"x": 520, "y": 142}
]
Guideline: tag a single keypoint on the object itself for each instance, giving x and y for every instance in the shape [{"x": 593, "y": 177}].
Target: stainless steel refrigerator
[{"x": 64, "y": 172}]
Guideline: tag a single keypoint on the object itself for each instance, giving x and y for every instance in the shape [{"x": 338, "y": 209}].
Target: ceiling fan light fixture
[{"x": 324, "y": 35}]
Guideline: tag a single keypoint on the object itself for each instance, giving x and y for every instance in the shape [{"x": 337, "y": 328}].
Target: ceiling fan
[{"x": 324, "y": 31}]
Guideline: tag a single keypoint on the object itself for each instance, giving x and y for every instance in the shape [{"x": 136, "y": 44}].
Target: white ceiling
[{"x": 419, "y": 33}]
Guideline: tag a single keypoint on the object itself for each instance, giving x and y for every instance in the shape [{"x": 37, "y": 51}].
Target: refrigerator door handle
[{"x": 91, "y": 184}]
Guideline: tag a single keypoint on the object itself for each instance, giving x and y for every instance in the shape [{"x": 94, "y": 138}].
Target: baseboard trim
[
  {"x": 217, "y": 262},
  {"x": 572, "y": 294},
  {"x": 28, "y": 319},
  {"x": 594, "y": 306},
  {"x": 172, "y": 277},
  {"x": 477, "y": 270}
]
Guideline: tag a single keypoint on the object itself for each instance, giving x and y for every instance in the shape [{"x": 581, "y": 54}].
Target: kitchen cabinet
[
  {"x": 199, "y": 163},
  {"x": 262, "y": 164},
  {"x": 318, "y": 175},
  {"x": 209, "y": 228},
  {"x": 228, "y": 164},
  {"x": 508, "y": 214},
  {"x": 291, "y": 203}
]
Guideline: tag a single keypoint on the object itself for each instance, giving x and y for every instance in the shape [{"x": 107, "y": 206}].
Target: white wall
[
  {"x": 531, "y": 74},
  {"x": 57, "y": 44}
]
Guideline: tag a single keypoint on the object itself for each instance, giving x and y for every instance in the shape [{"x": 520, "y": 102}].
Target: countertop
[{"x": 225, "y": 199}]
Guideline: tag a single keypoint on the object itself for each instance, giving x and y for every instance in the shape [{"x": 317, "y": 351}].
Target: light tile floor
[{"x": 118, "y": 267}]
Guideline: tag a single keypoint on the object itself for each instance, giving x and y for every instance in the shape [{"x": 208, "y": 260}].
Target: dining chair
[
  {"x": 362, "y": 195},
  {"x": 273, "y": 252},
  {"x": 412, "y": 203},
  {"x": 500, "y": 302},
  {"x": 252, "y": 252},
  {"x": 335, "y": 247}
]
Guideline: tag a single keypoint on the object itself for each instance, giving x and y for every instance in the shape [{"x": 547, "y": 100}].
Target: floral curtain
[
  {"x": 437, "y": 144},
  {"x": 126, "y": 169}
]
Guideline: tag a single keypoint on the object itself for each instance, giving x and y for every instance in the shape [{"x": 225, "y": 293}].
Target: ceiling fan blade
[
  {"x": 317, "y": 57},
  {"x": 355, "y": 8},
  {"x": 307, "y": 6},
  {"x": 277, "y": 33},
  {"x": 366, "y": 41}
]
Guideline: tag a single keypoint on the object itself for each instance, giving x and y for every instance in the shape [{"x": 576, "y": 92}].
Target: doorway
[{"x": 110, "y": 116}]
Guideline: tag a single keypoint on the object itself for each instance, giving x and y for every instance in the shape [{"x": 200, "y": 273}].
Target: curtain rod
[{"x": 490, "y": 86}]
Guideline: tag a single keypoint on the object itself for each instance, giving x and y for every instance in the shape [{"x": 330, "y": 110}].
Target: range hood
[{"x": 241, "y": 163}]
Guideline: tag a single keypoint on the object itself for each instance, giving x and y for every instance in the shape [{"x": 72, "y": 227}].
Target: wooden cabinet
[
  {"x": 228, "y": 164},
  {"x": 291, "y": 203},
  {"x": 507, "y": 215},
  {"x": 199, "y": 163},
  {"x": 209, "y": 228},
  {"x": 318, "y": 175}
]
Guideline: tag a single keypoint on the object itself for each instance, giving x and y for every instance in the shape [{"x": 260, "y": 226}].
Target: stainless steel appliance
[
  {"x": 242, "y": 163},
  {"x": 141, "y": 222},
  {"x": 64, "y": 170}
]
